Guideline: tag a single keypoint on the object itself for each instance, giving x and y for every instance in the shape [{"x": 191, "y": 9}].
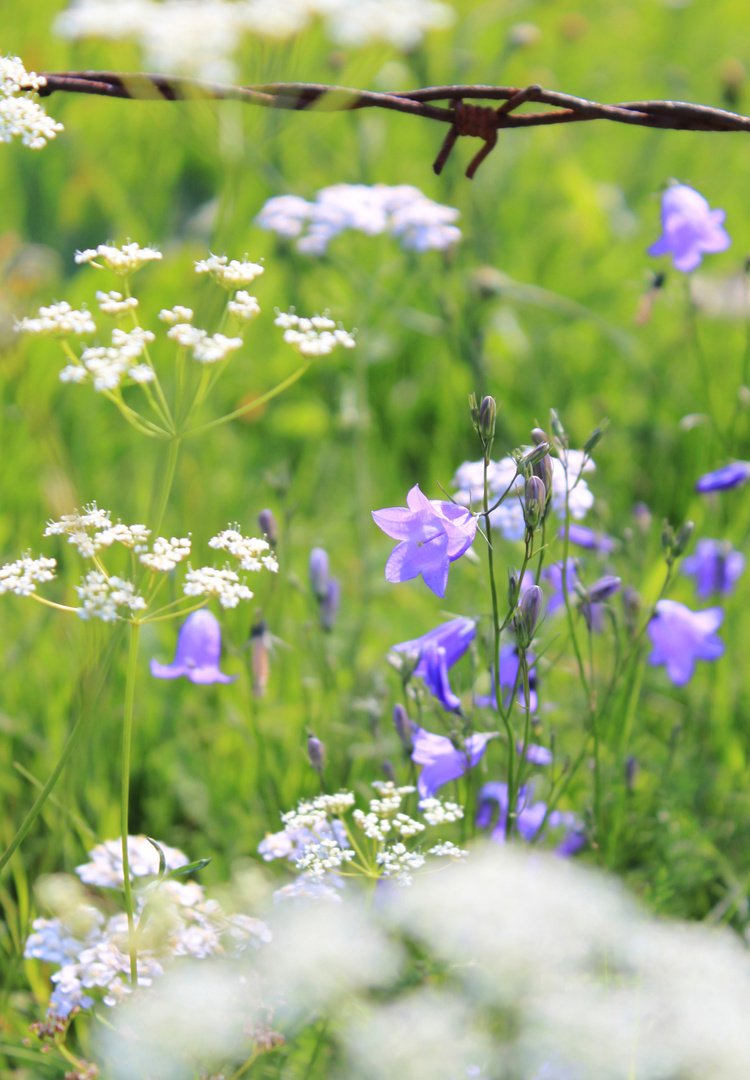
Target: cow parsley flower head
[
  {"x": 716, "y": 567},
  {"x": 432, "y": 535},
  {"x": 21, "y": 115},
  {"x": 224, "y": 584},
  {"x": 177, "y": 314},
  {"x": 124, "y": 260},
  {"x": 212, "y": 350},
  {"x": 57, "y": 320},
  {"x": 166, "y": 554},
  {"x": 102, "y": 596},
  {"x": 251, "y": 552},
  {"x": 691, "y": 229},
  {"x": 316, "y": 336},
  {"x": 105, "y": 869},
  {"x": 198, "y": 652},
  {"x": 114, "y": 303},
  {"x": 22, "y": 576},
  {"x": 244, "y": 306},
  {"x": 231, "y": 274},
  {"x": 109, "y": 365},
  {"x": 681, "y": 636}
]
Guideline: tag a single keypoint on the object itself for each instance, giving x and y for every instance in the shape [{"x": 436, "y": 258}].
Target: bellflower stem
[{"x": 127, "y": 732}]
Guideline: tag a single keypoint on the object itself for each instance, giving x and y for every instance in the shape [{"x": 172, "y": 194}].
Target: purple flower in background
[
  {"x": 587, "y": 538},
  {"x": 198, "y": 652},
  {"x": 691, "y": 229},
  {"x": 438, "y": 650},
  {"x": 537, "y": 755},
  {"x": 553, "y": 575},
  {"x": 716, "y": 566},
  {"x": 728, "y": 476},
  {"x": 433, "y": 534},
  {"x": 508, "y": 675},
  {"x": 682, "y": 636},
  {"x": 329, "y": 605},
  {"x": 320, "y": 572},
  {"x": 529, "y": 817},
  {"x": 440, "y": 760}
]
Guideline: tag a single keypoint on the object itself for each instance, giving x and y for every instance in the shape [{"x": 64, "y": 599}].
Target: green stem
[
  {"x": 293, "y": 378},
  {"x": 166, "y": 489},
  {"x": 127, "y": 733}
]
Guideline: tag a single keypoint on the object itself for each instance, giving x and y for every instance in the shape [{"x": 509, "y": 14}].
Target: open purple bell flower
[
  {"x": 198, "y": 652},
  {"x": 728, "y": 476},
  {"x": 587, "y": 538},
  {"x": 691, "y": 229},
  {"x": 442, "y": 762},
  {"x": 493, "y": 798},
  {"x": 681, "y": 636},
  {"x": 438, "y": 650},
  {"x": 432, "y": 535},
  {"x": 716, "y": 566}
]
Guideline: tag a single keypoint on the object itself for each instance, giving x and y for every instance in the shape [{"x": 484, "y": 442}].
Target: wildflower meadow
[{"x": 374, "y": 519}]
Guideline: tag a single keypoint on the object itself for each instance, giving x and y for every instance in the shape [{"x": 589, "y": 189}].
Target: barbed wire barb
[{"x": 464, "y": 118}]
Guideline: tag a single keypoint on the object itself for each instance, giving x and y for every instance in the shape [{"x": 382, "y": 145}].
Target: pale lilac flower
[
  {"x": 682, "y": 636},
  {"x": 440, "y": 760},
  {"x": 716, "y": 566},
  {"x": 728, "y": 476},
  {"x": 537, "y": 755},
  {"x": 553, "y": 576},
  {"x": 198, "y": 652},
  {"x": 529, "y": 817},
  {"x": 320, "y": 572},
  {"x": 438, "y": 650},
  {"x": 587, "y": 538},
  {"x": 509, "y": 678},
  {"x": 433, "y": 534},
  {"x": 329, "y": 605},
  {"x": 691, "y": 229}
]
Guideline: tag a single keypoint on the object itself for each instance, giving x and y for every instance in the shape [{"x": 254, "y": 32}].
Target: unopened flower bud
[
  {"x": 558, "y": 431},
  {"x": 320, "y": 575},
  {"x": 512, "y": 587},
  {"x": 388, "y": 772},
  {"x": 539, "y": 435},
  {"x": 404, "y": 727},
  {"x": 604, "y": 588},
  {"x": 487, "y": 418},
  {"x": 316, "y": 753},
  {"x": 531, "y": 457},
  {"x": 260, "y": 660},
  {"x": 595, "y": 438},
  {"x": 329, "y": 605},
  {"x": 683, "y": 538},
  {"x": 667, "y": 537},
  {"x": 632, "y": 768},
  {"x": 267, "y": 525},
  {"x": 543, "y": 469},
  {"x": 535, "y": 502},
  {"x": 527, "y": 616}
]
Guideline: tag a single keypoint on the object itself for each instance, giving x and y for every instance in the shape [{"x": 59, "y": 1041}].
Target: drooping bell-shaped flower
[
  {"x": 438, "y": 650},
  {"x": 691, "y": 229},
  {"x": 716, "y": 566},
  {"x": 442, "y": 762},
  {"x": 198, "y": 652},
  {"x": 681, "y": 636}
]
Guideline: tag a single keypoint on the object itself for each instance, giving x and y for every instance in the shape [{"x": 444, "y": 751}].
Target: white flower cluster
[
  {"x": 200, "y": 36},
  {"x": 316, "y": 841},
  {"x": 57, "y": 320},
  {"x": 247, "y": 549},
  {"x": 404, "y": 211},
  {"x": 508, "y": 517},
  {"x": 109, "y": 365},
  {"x": 176, "y": 314},
  {"x": 207, "y": 349},
  {"x": 78, "y": 525},
  {"x": 165, "y": 554},
  {"x": 230, "y": 274},
  {"x": 20, "y": 114},
  {"x": 92, "y": 952},
  {"x": 114, "y": 303},
  {"x": 124, "y": 260},
  {"x": 317, "y": 336},
  {"x": 244, "y": 306},
  {"x": 224, "y": 584},
  {"x": 22, "y": 576},
  {"x": 101, "y": 596}
]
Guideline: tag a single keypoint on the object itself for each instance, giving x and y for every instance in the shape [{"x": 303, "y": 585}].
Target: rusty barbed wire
[{"x": 464, "y": 118}]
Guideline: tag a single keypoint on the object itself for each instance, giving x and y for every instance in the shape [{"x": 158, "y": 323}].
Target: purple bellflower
[
  {"x": 432, "y": 535},
  {"x": 728, "y": 476},
  {"x": 440, "y": 760},
  {"x": 529, "y": 817},
  {"x": 681, "y": 636},
  {"x": 537, "y": 755},
  {"x": 438, "y": 650},
  {"x": 198, "y": 652},
  {"x": 691, "y": 229},
  {"x": 508, "y": 675},
  {"x": 716, "y": 566},
  {"x": 587, "y": 538},
  {"x": 553, "y": 576}
]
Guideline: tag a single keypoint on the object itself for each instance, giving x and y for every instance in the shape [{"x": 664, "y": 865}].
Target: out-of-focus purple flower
[
  {"x": 728, "y": 476},
  {"x": 593, "y": 608},
  {"x": 268, "y": 526},
  {"x": 405, "y": 727},
  {"x": 320, "y": 572},
  {"x": 433, "y": 534},
  {"x": 553, "y": 575},
  {"x": 587, "y": 538},
  {"x": 537, "y": 755},
  {"x": 682, "y": 636},
  {"x": 329, "y": 605},
  {"x": 716, "y": 566},
  {"x": 438, "y": 650},
  {"x": 198, "y": 652},
  {"x": 529, "y": 817},
  {"x": 440, "y": 760},
  {"x": 691, "y": 229},
  {"x": 508, "y": 675}
]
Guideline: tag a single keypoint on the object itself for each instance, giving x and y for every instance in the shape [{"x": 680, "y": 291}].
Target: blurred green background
[{"x": 536, "y": 305}]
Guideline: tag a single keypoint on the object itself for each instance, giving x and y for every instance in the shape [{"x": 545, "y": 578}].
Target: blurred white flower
[{"x": 21, "y": 115}]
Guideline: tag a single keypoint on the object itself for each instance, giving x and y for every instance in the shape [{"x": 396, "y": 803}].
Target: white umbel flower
[
  {"x": 57, "y": 320},
  {"x": 101, "y": 597},
  {"x": 177, "y": 314},
  {"x": 249, "y": 550},
  {"x": 165, "y": 554},
  {"x": 186, "y": 335},
  {"x": 230, "y": 274},
  {"x": 114, "y": 303},
  {"x": 212, "y": 350},
  {"x": 224, "y": 584},
  {"x": 316, "y": 336},
  {"x": 123, "y": 260},
  {"x": 21, "y": 116},
  {"x": 22, "y": 576},
  {"x": 244, "y": 306}
]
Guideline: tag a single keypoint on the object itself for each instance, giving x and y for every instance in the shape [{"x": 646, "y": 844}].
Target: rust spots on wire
[{"x": 463, "y": 116}]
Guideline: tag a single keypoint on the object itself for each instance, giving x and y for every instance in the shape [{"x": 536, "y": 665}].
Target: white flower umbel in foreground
[
  {"x": 403, "y": 211},
  {"x": 326, "y": 845},
  {"x": 90, "y": 949},
  {"x": 126, "y": 362},
  {"x": 21, "y": 115}
]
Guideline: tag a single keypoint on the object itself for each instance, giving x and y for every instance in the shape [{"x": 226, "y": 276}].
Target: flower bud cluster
[
  {"x": 78, "y": 525},
  {"x": 244, "y": 306}
]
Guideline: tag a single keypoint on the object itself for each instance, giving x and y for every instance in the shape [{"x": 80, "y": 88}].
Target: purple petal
[
  {"x": 395, "y": 521},
  {"x": 198, "y": 651},
  {"x": 728, "y": 476},
  {"x": 416, "y": 500}
]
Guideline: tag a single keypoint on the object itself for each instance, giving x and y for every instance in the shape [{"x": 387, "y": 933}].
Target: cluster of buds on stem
[{"x": 484, "y": 418}]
